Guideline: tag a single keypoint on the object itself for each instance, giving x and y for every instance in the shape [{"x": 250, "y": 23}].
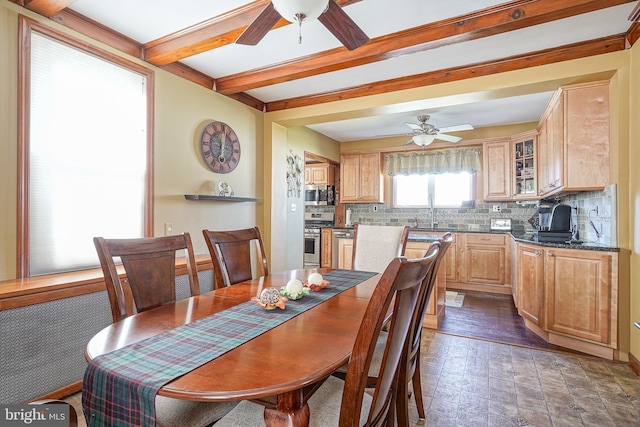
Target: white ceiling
[{"x": 147, "y": 20}]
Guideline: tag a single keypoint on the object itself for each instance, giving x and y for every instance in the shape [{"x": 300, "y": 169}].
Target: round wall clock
[{"x": 220, "y": 147}]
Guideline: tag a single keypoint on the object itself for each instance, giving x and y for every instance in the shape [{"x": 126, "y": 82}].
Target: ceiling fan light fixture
[
  {"x": 300, "y": 10},
  {"x": 423, "y": 139}
]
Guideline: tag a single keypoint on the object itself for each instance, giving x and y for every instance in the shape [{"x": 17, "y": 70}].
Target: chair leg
[
  {"x": 417, "y": 390},
  {"x": 402, "y": 401}
]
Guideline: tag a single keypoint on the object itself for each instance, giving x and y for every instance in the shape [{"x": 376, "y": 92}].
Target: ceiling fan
[
  {"x": 326, "y": 11},
  {"x": 424, "y": 133}
]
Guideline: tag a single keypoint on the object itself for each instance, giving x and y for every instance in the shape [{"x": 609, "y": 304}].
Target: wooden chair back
[
  {"x": 231, "y": 255},
  {"x": 441, "y": 246},
  {"x": 400, "y": 283},
  {"x": 410, "y": 366},
  {"x": 149, "y": 265},
  {"x": 375, "y": 246}
]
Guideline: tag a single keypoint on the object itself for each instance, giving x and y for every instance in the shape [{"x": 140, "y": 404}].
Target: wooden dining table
[{"x": 280, "y": 368}]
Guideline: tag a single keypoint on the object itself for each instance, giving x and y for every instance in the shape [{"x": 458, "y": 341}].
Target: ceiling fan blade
[
  {"x": 260, "y": 26},
  {"x": 456, "y": 128},
  {"x": 449, "y": 138},
  {"x": 342, "y": 27},
  {"x": 414, "y": 126}
]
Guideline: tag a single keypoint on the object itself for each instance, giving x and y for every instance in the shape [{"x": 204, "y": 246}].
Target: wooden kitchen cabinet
[
  {"x": 319, "y": 174},
  {"x": 525, "y": 181},
  {"x": 530, "y": 282},
  {"x": 484, "y": 264},
  {"x": 345, "y": 253},
  {"x": 578, "y": 296},
  {"x": 326, "y": 249},
  {"x": 361, "y": 178},
  {"x": 496, "y": 170},
  {"x": 574, "y": 140},
  {"x": 436, "y": 305},
  {"x": 569, "y": 297}
]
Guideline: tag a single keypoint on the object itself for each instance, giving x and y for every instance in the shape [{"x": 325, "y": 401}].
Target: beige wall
[
  {"x": 181, "y": 108},
  {"x": 633, "y": 198}
]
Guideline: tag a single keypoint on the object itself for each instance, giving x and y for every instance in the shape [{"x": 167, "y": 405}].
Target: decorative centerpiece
[
  {"x": 270, "y": 298},
  {"x": 315, "y": 282},
  {"x": 294, "y": 290}
]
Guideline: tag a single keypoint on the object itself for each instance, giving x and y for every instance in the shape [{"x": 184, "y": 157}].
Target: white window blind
[{"x": 87, "y": 155}]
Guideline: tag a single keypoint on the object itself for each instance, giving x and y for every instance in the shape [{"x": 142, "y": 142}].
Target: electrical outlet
[
  {"x": 375, "y": 208},
  {"x": 497, "y": 208},
  {"x": 168, "y": 228}
]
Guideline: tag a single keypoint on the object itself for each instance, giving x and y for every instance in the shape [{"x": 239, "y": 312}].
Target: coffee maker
[{"x": 554, "y": 222}]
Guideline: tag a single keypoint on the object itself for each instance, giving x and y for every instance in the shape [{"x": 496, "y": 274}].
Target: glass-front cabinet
[{"x": 524, "y": 170}]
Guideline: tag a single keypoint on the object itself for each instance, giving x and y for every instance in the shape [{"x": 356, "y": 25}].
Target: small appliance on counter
[{"x": 554, "y": 223}]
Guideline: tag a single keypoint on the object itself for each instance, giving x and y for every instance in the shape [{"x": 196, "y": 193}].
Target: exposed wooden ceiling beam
[
  {"x": 210, "y": 34},
  {"x": 496, "y": 20},
  {"x": 46, "y": 8},
  {"x": 532, "y": 59}
]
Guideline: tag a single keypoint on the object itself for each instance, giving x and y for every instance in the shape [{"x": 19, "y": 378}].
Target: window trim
[{"x": 25, "y": 27}]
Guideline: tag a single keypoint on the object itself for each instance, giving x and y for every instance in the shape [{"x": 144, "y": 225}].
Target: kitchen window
[
  {"x": 84, "y": 151},
  {"x": 446, "y": 190}
]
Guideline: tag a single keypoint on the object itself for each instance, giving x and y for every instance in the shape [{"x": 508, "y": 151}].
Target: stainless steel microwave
[{"x": 319, "y": 195}]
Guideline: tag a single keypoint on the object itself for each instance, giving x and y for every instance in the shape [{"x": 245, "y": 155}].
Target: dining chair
[
  {"x": 345, "y": 403},
  {"x": 411, "y": 358},
  {"x": 374, "y": 246},
  {"x": 231, "y": 255},
  {"x": 149, "y": 265},
  {"x": 410, "y": 371}
]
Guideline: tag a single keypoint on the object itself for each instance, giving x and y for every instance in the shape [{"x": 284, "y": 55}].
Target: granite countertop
[{"x": 431, "y": 234}]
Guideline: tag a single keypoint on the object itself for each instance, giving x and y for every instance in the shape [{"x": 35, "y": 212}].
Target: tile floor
[{"x": 470, "y": 382}]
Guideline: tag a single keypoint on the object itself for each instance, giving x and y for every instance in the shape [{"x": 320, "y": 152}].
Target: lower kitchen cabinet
[
  {"x": 435, "y": 306},
  {"x": 326, "y": 250},
  {"x": 484, "y": 262},
  {"x": 530, "y": 282},
  {"x": 578, "y": 294},
  {"x": 569, "y": 297},
  {"x": 345, "y": 253}
]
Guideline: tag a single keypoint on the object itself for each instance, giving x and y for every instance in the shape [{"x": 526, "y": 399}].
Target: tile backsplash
[{"x": 593, "y": 207}]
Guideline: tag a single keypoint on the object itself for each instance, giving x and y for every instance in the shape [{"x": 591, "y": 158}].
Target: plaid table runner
[{"x": 120, "y": 387}]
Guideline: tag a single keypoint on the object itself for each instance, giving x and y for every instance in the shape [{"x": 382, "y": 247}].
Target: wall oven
[{"x": 319, "y": 195}]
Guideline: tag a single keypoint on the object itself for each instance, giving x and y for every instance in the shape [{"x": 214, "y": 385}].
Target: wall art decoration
[{"x": 295, "y": 170}]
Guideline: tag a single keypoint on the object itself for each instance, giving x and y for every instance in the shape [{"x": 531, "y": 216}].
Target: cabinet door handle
[{"x": 550, "y": 254}]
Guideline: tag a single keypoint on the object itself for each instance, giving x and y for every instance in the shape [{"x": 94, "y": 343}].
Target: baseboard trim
[{"x": 634, "y": 364}]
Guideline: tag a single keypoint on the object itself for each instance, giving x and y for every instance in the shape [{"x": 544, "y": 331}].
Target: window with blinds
[{"x": 87, "y": 148}]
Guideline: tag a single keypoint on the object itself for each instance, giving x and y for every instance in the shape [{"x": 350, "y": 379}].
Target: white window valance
[{"x": 454, "y": 160}]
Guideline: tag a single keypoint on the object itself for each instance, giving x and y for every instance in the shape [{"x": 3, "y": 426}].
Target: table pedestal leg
[{"x": 292, "y": 411}]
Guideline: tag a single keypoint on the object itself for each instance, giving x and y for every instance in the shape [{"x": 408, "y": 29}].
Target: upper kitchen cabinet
[
  {"x": 524, "y": 151},
  {"x": 361, "y": 178},
  {"x": 496, "y": 169},
  {"x": 573, "y": 143},
  {"x": 319, "y": 174}
]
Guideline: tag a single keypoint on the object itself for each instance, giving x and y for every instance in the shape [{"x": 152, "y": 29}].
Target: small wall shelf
[{"x": 219, "y": 198}]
